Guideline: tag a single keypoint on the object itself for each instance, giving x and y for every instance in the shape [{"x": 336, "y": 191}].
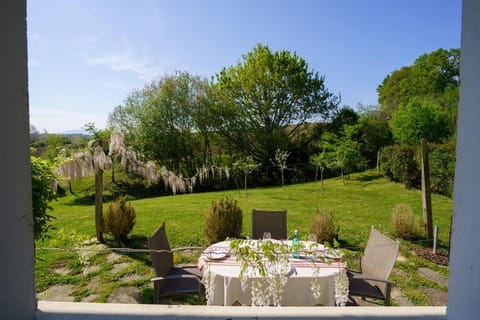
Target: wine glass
[
  {"x": 312, "y": 237},
  {"x": 267, "y": 235}
]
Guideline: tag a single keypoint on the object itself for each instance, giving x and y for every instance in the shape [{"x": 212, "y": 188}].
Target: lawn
[{"x": 364, "y": 200}]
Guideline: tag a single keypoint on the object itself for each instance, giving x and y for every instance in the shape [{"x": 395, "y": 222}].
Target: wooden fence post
[{"x": 426, "y": 194}]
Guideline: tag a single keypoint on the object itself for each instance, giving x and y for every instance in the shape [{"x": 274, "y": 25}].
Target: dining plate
[{"x": 218, "y": 254}]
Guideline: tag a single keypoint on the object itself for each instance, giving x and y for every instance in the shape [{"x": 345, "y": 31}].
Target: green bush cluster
[
  {"x": 223, "y": 220},
  {"x": 120, "y": 219},
  {"x": 404, "y": 222},
  {"x": 398, "y": 163},
  {"x": 42, "y": 194},
  {"x": 442, "y": 168},
  {"x": 323, "y": 227},
  {"x": 403, "y": 164}
]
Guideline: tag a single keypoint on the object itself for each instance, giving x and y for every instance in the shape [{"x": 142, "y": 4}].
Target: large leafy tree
[
  {"x": 168, "y": 121},
  {"x": 264, "y": 100},
  {"x": 433, "y": 76},
  {"x": 419, "y": 120}
]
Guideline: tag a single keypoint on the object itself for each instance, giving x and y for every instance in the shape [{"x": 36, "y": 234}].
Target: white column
[
  {"x": 17, "y": 285},
  {"x": 464, "y": 284}
]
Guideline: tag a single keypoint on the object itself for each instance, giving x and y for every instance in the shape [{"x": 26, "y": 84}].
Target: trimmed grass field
[{"x": 365, "y": 199}]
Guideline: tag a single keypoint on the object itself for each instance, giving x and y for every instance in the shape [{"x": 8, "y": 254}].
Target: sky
[{"x": 86, "y": 57}]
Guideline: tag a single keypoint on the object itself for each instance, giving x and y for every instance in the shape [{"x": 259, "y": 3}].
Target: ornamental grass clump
[
  {"x": 119, "y": 220},
  {"x": 404, "y": 223},
  {"x": 323, "y": 227},
  {"x": 223, "y": 220}
]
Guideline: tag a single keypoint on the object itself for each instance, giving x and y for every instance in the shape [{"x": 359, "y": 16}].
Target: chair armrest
[
  {"x": 176, "y": 276},
  {"x": 373, "y": 279}
]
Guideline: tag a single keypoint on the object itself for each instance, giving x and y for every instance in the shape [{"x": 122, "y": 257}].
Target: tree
[
  {"x": 433, "y": 76},
  {"x": 343, "y": 152},
  {"x": 344, "y": 116},
  {"x": 374, "y": 133},
  {"x": 265, "y": 99},
  {"x": 42, "y": 194},
  {"x": 321, "y": 161},
  {"x": 420, "y": 120},
  {"x": 281, "y": 162},
  {"x": 167, "y": 121},
  {"x": 99, "y": 148},
  {"x": 245, "y": 166}
]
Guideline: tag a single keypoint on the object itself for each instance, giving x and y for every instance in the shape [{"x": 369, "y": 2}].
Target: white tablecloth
[{"x": 227, "y": 289}]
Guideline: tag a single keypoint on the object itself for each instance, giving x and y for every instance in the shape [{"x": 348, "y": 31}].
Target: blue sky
[{"x": 86, "y": 57}]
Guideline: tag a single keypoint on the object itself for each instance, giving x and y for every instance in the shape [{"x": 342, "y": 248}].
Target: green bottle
[{"x": 296, "y": 245}]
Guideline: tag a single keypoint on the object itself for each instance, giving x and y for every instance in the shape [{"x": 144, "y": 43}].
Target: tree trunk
[
  {"x": 99, "y": 204},
  {"x": 426, "y": 195},
  {"x": 246, "y": 184},
  {"x": 321, "y": 177}
]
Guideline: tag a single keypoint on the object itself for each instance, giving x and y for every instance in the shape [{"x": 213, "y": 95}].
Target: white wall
[
  {"x": 17, "y": 286},
  {"x": 464, "y": 284}
]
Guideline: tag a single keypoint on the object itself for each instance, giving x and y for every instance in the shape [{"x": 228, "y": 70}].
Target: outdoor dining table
[{"x": 226, "y": 288}]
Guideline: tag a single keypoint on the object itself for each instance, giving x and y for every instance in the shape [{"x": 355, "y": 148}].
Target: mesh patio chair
[
  {"x": 171, "y": 280},
  {"x": 274, "y": 222},
  {"x": 375, "y": 268}
]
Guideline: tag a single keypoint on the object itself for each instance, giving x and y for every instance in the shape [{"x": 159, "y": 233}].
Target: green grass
[{"x": 366, "y": 199}]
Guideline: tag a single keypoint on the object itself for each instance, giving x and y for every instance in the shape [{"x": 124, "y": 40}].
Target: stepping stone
[
  {"x": 62, "y": 271},
  {"x": 437, "y": 297},
  {"x": 125, "y": 295},
  {"x": 91, "y": 269},
  {"x": 91, "y": 298},
  {"x": 118, "y": 267},
  {"x": 131, "y": 277},
  {"x": 57, "y": 293},
  {"x": 93, "y": 284},
  {"x": 433, "y": 276},
  {"x": 113, "y": 257},
  {"x": 399, "y": 298}
]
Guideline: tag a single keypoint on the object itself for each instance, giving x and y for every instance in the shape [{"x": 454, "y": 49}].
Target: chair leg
[
  {"x": 156, "y": 298},
  {"x": 388, "y": 289}
]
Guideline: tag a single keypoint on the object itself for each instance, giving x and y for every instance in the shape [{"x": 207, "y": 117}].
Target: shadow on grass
[
  {"x": 369, "y": 177},
  {"x": 112, "y": 193},
  {"x": 349, "y": 246}
]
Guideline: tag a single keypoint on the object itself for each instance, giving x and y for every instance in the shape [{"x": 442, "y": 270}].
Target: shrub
[
  {"x": 398, "y": 163},
  {"x": 223, "y": 219},
  {"x": 42, "y": 194},
  {"x": 442, "y": 168},
  {"x": 404, "y": 223},
  {"x": 323, "y": 227},
  {"x": 120, "y": 219}
]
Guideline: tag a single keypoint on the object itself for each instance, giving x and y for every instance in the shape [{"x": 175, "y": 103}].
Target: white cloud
[
  {"x": 122, "y": 59},
  {"x": 58, "y": 121}
]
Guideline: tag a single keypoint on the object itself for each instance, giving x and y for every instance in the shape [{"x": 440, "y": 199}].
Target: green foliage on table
[{"x": 257, "y": 254}]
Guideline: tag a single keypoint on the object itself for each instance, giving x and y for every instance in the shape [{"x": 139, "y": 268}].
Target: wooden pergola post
[{"x": 426, "y": 194}]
